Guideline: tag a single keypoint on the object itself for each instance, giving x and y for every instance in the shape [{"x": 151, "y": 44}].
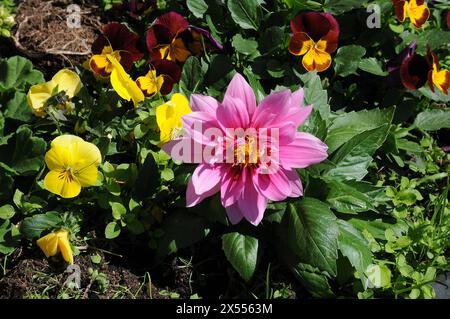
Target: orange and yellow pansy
[
  {"x": 315, "y": 37},
  {"x": 416, "y": 10},
  {"x": 436, "y": 76}
]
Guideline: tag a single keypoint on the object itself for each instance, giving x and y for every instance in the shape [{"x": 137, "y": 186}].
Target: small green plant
[{"x": 6, "y": 18}]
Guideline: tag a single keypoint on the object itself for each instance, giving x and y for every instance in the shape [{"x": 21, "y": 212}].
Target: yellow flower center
[
  {"x": 247, "y": 153},
  {"x": 67, "y": 175}
]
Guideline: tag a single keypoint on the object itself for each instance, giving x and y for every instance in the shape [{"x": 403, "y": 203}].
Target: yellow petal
[
  {"x": 418, "y": 14},
  {"x": 87, "y": 176},
  {"x": 48, "y": 244},
  {"x": 316, "y": 59},
  {"x": 66, "y": 141},
  {"x": 64, "y": 245},
  {"x": 168, "y": 116},
  {"x": 123, "y": 84},
  {"x": 441, "y": 79},
  {"x": 58, "y": 158},
  {"x": 85, "y": 155},
  {"x": 67, "y": 81},
  {"x": 62, "y": 183},
  {"x": 37, "y": 96}
]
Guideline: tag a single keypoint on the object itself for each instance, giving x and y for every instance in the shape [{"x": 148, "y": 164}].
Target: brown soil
[
  {"x": 43, "y": 34},
  {"x": 33, "y": 276}
]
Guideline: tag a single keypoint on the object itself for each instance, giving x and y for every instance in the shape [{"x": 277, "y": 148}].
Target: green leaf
[
  {"x": 32, "y": 227},
  {"x": 348, "y": 200},
  {"x": 191, "y": 76},
  {"x": 149, "y": 176},
  {"x": 197, "y": 7},
  {"x": 348, "y": 125},
  {"x": 433, "y": 120},
  {"x": 255, "y": 84},
  {"x": 379, "y": 276},
  {"x": 315, "y": 94},
  {"x": 167, "y": 174},
  {"x": 242, "y": 252},
  {"x": 17, "y": 108},
  {"x": 347, "y": 59},
  {"x": 338, "y": 7},
  {"x": 112, "y": 230},
  {"x": 372, "y": 65},
  {"x": 246, "y": 13},
  {"x": 313, "y": 280},
  {"x": 118, "y": 210},
  {"x": 313, "y": 232},
  {"x": 354, "y": 246},
  {"x": 7, "y": 211},
  {"x": 17, "y": 73},
  {"x": 244, "y": 46},
  {"x": 24, "y": 154},
  {"x": 354, "y": 157},
  {"x": 195, "y": 228}
]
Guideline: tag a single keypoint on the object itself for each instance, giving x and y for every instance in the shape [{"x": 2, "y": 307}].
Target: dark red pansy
[
  {"x": 165, "y": 29},
  {"x": 172, "y": 73},
  {"x": 448, "y": 18},
  {"x": 120, "y": 38},
  {"x": 409, "y": 69},
  {"x": 318, "y": 26}
]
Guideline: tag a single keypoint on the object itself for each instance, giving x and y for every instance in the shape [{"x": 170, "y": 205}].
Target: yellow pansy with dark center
[
  {"x": 315, "y": 37},
  {"x": 73, "y": 164}
]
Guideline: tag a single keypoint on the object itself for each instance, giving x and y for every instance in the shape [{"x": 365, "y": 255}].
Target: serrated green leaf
[
  {"x": 347, "y": 59},
  {"x": 433, "y": 120},
  {"x": 372, "y": 65}
]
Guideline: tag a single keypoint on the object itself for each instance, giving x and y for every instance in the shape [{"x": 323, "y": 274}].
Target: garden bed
[{"x": 326, "y": 174}]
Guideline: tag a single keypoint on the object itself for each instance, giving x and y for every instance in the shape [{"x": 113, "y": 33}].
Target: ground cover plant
[{"x": 224, "y": 149}]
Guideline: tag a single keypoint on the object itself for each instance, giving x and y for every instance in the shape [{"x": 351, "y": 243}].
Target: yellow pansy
[
  {"x": 150, "y": 84},
  {"x": 168, "y": 116},
  {"x": 123, "y": 84},
  {"x": 56, "y": 242},
  {"x": 65, "y": 80},
  {"x": 73, "y": 163}
]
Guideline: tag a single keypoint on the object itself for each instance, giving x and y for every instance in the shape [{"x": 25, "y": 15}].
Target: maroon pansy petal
[
  {"x": 399, "y": 9},
  {"x": 332, "y": 37},
  {"x": 315, "y": 24},
  {"x": 100, "y": 42},
  {"x": 174, "y": 22},
  {"x": 157, "y": 35},
  {"x": 121, "y": 38},
  {"x": 167, "y": 85},
  {"x": 126, "y": 59},
  {"x": 206, "y": 34},
  {"x": 166, "y": 67},
  {"x": 448, "y": 18},
  {"x": 406, "y": 53},
  {"x": 414, "y": 72}
]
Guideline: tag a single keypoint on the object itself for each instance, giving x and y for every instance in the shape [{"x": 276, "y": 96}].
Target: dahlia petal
[
  {"x": 304, "y": 151},
  {"x": 274, "y": 186},
  {"x": 234, "y": 213},
  {"x": 203, "y": 103},
  {"x": 277, "y": 103},
  {"x": 232, "y": 186},
  {"x": 206, "y": 177},
  {"x": 232, "y": 113},
  {"x": 252, "y": 204},
  {"x": 240, "y": 89},
  {"x": 295, "y": 182},
  {"x": 196, "y": 123}
]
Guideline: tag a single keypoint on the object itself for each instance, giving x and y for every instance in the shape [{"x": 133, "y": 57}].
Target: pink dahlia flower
[{"x": 246, "y": 182}]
